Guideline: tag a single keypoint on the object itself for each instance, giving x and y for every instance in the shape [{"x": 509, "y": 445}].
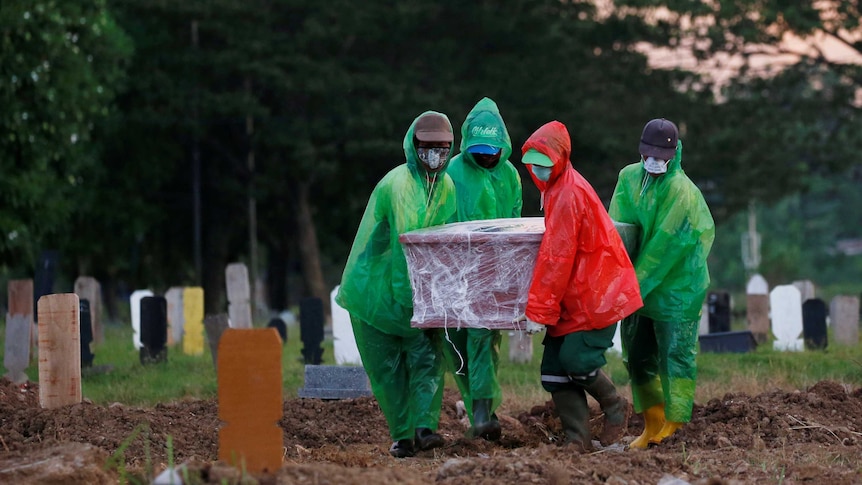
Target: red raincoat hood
[{"x": 553, "y": 140}]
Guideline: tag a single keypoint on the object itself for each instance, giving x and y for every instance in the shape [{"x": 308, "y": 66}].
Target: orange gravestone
[
  {"x": 250, "y": 399},
  {"x": 59, "y": 350}
]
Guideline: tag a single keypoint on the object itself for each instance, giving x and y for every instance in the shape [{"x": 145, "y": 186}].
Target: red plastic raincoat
[{"x": 583, "y": 278}]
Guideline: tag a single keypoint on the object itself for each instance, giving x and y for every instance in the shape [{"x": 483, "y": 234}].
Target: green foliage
[{"x": 60, "y": 66}]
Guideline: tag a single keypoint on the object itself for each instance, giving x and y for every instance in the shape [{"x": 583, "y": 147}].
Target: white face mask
[
  {"x": 434, "y": 157},
  {"x": 541, "y": 173},
  {"x": 654, "y": 165}
]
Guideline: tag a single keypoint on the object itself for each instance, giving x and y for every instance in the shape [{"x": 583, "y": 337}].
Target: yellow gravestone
[{"x": 193, "y": 316}]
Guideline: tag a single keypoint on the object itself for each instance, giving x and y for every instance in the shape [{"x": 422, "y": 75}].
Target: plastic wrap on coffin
[
  {"x": 472, "y": 274},
  {"x": 477, "y": 274}
]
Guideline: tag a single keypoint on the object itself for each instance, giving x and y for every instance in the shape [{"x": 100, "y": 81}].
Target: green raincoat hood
[
  {"x": 375, "y": 286},
  {"x": 485, "y": 193}
]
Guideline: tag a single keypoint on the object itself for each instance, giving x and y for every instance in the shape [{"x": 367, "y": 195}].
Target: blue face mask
[{"x": 541, "y": 173}]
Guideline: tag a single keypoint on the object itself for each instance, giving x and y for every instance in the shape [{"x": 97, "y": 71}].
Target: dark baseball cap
[
  {"x": 433, "y": 127},
  {"x": 659, "y": 139}
]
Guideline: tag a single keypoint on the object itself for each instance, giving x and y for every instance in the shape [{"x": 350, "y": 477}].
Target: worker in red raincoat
[{"x": 583, "y": 284}]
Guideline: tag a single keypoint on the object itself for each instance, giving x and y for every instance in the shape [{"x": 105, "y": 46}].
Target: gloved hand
[{"x": 530, "y": 327}]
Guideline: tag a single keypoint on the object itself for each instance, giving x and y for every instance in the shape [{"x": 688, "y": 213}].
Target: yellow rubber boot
[
  {"x": 653, "y": 424},
  {"x": 668, "y": 429}
]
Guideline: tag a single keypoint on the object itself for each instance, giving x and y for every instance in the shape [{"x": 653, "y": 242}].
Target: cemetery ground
[{"x": 766, "y": 416}]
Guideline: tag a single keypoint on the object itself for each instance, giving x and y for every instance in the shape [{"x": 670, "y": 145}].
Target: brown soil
[{"x": 813, "y": 435}]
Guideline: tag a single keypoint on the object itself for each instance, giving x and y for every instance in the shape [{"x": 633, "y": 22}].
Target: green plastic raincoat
[
  {"x": 403, "y": 363},
  {"x": 676, "y": 235},
  {"x": 482, "y": 193}
]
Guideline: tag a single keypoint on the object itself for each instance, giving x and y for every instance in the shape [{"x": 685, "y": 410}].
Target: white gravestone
[
  {"x": 174, "y": 297},
  {"x": 521, "y": 346},
  {"x": 786, "y": 312},
  {"x": 618, "y": 339},
  {"x": 135, "y": 303},
  {"x": 844, "y": 319},
  {"x": 238, "y": 294},
  {"x": 343, "y": 340}
]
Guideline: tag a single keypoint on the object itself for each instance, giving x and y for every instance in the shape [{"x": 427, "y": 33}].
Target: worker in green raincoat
[
  {"x": 404, "y": 364},
  {"x": 487, "y": 186},
  {"x": 676, "y": 234}
]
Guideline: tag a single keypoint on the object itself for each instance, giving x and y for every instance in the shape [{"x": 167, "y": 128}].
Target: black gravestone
[
  {"x": 814, "y": 313},
  {"x": 43, "y": 284},
  {"x": 279, "y": 325},
  {"x": 718, "y": 304},
  {"x": 154, "y": 329},
  {"x": 86, "y": 334},
  {"x": 311, "y": 329}
]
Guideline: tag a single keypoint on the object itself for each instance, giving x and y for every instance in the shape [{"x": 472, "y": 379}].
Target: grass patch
[{"x": 184, "y": 376}]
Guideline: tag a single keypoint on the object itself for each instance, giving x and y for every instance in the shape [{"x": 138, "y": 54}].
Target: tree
[{"x": 60, "y": 63}]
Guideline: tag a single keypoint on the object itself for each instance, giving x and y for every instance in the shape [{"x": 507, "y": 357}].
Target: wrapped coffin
[{"x": 476, "y": 274}]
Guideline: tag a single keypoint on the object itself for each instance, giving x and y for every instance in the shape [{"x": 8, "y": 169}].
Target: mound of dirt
[{"x": 812, "y": 435}]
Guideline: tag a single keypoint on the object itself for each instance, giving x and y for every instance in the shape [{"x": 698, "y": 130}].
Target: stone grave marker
[
  {"x": 193, "y": 320},
  {"x": 86, "y": 336},
  {"x": 135, "y": 307},
  {"x": 238, "y": 294},
  {"x": 343, "y": 341},
  {"x": 88, "y": 288},
  {"x": 154, "y": 330},
  {"x": 19, "y": 325},
  {"x": 174, "y": 298},
  {"x": 703, "y": 327},
  {"x": 281, "y": 327},
  {"x": 311, "y": 329},
  {"x": 806, "y": 289},
  {"x": 757, "y": 308},
  {"x": 521, "y": 347},
  {"x": 250, "y": 399},
  {"x": 718, "y": 303},
  {"x": 786, "y": 312},
  {"x": 59, "y": 350},
  {"x": 335, "y": 382},
  {"x": 844, "y": 319},
  {"x": 215, "y": 325},
  {"x": 814, "y": 314}
]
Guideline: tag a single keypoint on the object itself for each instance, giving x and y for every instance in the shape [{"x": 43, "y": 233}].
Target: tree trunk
[{"x": 309, "y": 250}]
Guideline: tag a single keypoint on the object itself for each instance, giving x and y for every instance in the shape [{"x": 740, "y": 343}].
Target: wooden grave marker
[
  {"x": 174, "y": 297},
  {"x": 19, "y": 325},
  {"x": 88, "y": 288},
  {"x": 59, "y": 350},
  {"x": 135, "y": 307},
  {"x": 844, "y": 319},
  {"x": 250, "y": 399},
  {"x": 238, "y": 294},
  {"x": 215, "y": 325},
  {"x": 757, "y": 308},
  {"x": 520, "y": 346},
  {"x": 193, "y": 320}
]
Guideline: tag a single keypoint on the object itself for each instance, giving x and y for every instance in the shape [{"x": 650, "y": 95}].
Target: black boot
[
  {"x": 485, "y": 424},
  {"x": 574, "y": 413},
  {"x": 402, "y": 448},
  {"x": 427, "y": 439},
  {"x": 615, "y": 407}
]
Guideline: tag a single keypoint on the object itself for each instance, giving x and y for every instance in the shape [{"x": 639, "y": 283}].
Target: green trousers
[
  {"x": 473, "y": 357},
  {"x": 406, "y": 375},
  {"x": 574, "y": 358},
  {"x": 660, "y": 358}
]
